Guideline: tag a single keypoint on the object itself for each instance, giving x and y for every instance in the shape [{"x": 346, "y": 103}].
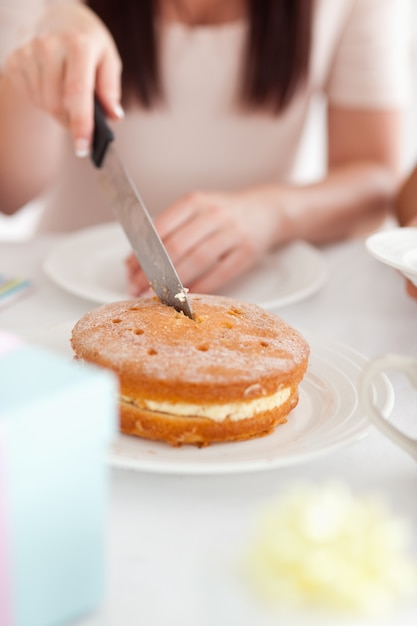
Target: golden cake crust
[{"x": 232, "y": 352}]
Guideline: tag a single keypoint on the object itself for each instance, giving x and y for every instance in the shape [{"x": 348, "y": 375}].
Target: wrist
[{"x": 280, "y": 204}]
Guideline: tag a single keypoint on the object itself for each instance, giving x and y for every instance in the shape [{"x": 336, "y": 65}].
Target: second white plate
[
  {"x": 327, "y": 417},
  {"x": 398, "y": 248},
  {"x": 90, "y": 264}
]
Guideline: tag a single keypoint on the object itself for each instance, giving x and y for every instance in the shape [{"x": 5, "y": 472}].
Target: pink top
[{"x": 199, "y": 140}]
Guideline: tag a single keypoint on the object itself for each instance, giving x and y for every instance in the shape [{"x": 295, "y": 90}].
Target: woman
[
  {"x": 216, "y": 96},
  {"x": 406, "y": 212}
]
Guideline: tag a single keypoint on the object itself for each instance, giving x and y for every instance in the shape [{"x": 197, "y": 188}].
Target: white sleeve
[{"x": 371, "y": 64}]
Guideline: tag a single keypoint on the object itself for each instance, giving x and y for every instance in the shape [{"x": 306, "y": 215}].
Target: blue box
[{"x": 57, "y": 418}]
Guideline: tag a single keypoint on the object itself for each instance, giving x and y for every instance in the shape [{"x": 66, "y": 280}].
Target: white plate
[
  {"x": 397, "y": 248},
  {"x": 90, "y": 264},
  {"x": 327, "y": 417}
]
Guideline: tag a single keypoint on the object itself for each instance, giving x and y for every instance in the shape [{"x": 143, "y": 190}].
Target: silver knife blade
[
  {"x": 141, "y": 232},
  {"x": 135, "y": 219}
]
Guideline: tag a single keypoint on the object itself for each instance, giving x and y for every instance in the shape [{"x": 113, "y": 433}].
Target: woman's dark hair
[{"x": 277, "y": 52}]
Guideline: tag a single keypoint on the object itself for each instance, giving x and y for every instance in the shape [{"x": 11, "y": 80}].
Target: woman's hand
[
  {"x": 406, "y": 211},
  {"x": 71, "y": 57},
  {"x": 212, "y": 238},
  {"x": 410, "y": 287}
]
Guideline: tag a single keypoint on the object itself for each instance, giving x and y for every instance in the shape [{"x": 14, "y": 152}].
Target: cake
[{"x": 230, "y": 374}]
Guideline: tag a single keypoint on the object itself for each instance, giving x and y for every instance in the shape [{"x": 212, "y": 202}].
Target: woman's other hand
[
  {"x": 71, "y": 57},
  {"x": 212, "y": 238},
  {"x": 411, "y": 288},
  {"x": 406, "y": 213}
]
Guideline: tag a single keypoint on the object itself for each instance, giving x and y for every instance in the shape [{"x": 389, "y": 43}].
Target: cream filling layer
[{"x": 235, "y": 411}]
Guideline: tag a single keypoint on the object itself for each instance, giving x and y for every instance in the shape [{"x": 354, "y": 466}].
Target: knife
[{"x": 135, "y": 219}]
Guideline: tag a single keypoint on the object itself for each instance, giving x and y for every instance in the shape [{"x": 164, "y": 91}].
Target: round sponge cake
[{"x": 231, "y": 373}]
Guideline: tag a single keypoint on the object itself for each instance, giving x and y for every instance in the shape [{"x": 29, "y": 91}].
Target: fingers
[
  {"x": 108, "y": 82},
  {"x": 193, "y": 249},
  {"x": 234, "y": 263},
  {"x": 203, "y": 257},
  {"x": 177, "y": 215},
  {"x": 201, "y": 225},
  {"x": 204, "y": 237},
  {"x": 90, "y": 70},
  {"x": 79, "y": 83},
  {"x": 23, "y": 71},
  {"x": 138, "y": 283},
  {"x": 37, "y": 70},
  {"x": 51, "y": 77},
  {"x": 203, "y": 268},
  {"x": 411, "y": 289},
  {"x": 62, "y": 69}
]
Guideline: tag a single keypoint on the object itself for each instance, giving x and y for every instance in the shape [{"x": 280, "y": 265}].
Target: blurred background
[{"x": 311, "y": 157}]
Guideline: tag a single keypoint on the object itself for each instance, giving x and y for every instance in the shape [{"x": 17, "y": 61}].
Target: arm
[
  {"x": 406, "y": 201},
  {"x": 406, "y": 210},
  {"x": 363, "y": 167},
  {"x": 213, "y": 237},
  {"x": 48, "y": 83},
  {"x": 29, "y": 148}
]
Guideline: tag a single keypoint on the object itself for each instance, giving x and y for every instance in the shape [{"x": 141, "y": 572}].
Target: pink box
[{"x": 5, "y": 591}]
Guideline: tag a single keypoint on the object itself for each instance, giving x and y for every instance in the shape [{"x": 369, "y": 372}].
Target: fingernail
[
  {"x": 82, "y": 148},
  {"x": 118, "y": 111}
]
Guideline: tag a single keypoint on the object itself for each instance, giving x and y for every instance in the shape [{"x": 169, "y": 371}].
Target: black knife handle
[{"x": 102, "y": 137}]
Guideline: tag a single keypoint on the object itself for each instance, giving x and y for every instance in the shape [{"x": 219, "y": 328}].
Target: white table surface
[{"x": 172, "y": 538}]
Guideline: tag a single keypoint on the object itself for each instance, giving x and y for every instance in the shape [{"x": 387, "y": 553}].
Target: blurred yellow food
[{"x": 324, "y": 547}]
